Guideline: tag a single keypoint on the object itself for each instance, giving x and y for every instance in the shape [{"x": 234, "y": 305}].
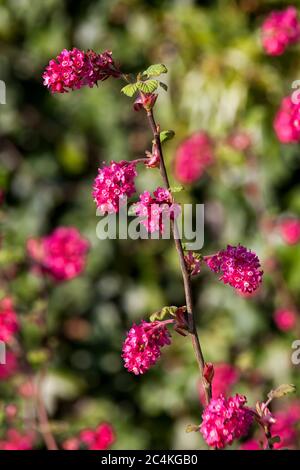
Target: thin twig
[{"x": 185, "y": 274}]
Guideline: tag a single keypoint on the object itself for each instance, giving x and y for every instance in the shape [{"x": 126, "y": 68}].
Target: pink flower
[
  {"x": 192, "y": 157},
  {"x": 15, "y": 440},
  {"x": 99, "y": 439},
  {"x": 157, "y": 209},
  {"x": 9, "y": 324},
  {"x": 240, "y": 141},
  {"x": 193, "y": 263},
  {"x": 225, "y": 420},
  {"x": 290, "y": 230},
  {"x": 113, "y": 184},
  {"x": 286, "y": 426},
  {"x": 62, "y": 254},
  {"x": 74, "y": 69},
  {"x": 285, "y": 319},
  {"x": 251, "y": 444},
  {"x": 287, "y": 122},
  {"x": 8, "y": 369},
  {"x": 240, "y": 268},
  {"x": 279, "y": 30},
  {"x": 141, "y": 348}
]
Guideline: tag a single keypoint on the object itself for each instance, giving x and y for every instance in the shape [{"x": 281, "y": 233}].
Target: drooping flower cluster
[
  {"x": 9, "y": 324},
  {"x": 239, "y": 267},
  {"x": 285, "y": 319},
  {"x": 290, "y": 230},
  {"x": 142, "y": 346},
  {"x": 286, "y": 426},
  {"x": 74, "y": 69},
  {"x": 15, "y": 440},
  {"x": 287, "y": 121},
  {"x": 100, "y": 438},
  {"x": 113, "y": 183},
  {"x": 224, "y": 420},
  {"x": 10, "y": 367},
  {"x": 192, "y": 157},
  {"x": 157, "y": 210},
  {"x": 279, "y": 30},
  {"x": 62, "y": 254},
  {"x": 193, "y": 263}
]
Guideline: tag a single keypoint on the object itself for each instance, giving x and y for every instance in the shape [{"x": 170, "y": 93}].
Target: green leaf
[
  {"x": 176, "y": 189},
  {"x": 130, "y": 89},
  {"x": 155, "y": 70},
  {"x": 281, "y": 391},
  {"x": 166, "y": 135},
  {"x": 274, "y": 440},
  {"x": 132, "y": 210},
  {"x": 192, "y": 428},
  {"x": 160, "y": 315},
  {"x": 149, "y": 86},
  {"x": 164, "y": 86}
]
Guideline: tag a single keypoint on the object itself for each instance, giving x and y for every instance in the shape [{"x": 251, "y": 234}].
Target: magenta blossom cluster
[
  {"x": 100, "y": 438},
  {"x": 62, "y": 254},
  {"x": 239, "y": 267},
  {"x": 224, "y": 420},
  {"x": 74, "y": 69},
  {"x": 142, "y": 346},
  {"x": 286, "y": 426},
  {"x": 285, "y": 319},
  {"x": 113, "y": 184},
  {"x": 15, "y": 440},
  {"x": 290, "y": 230},
  {"x": 279, "y": 30},
  {"x": 9, "y": 324},
  {"x": 192, "y": 157},
  {"x": 10, "y": 367},
  {"x": 157, "y": 209},
  {"x": 287, "y": 121}
]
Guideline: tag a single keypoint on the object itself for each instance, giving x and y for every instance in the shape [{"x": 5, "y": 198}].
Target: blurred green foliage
[{"x": 219, "y": 80}]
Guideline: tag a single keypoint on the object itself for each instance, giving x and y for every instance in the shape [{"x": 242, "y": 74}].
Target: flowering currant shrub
[{"x": 58, "y": 259}]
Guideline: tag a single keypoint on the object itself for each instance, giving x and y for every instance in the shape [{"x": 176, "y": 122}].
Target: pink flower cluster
[
  {"x": 113, "y": 183},
  {"x": 15, "y": 440},
  {"x": 240, "y": 268},
  {"x": 157, "y": 209},
  {"x": 192, "y": 157},
  {"x": 100, "y": 438},
  {"x": 62, "y": 254},
  {"x": 74, "y": 69},
  {"x": 287, "y": 122},
  {"x": 286, "y": 426},
  {"x": 8, "y": 369},
  {"x": 279, "y": 30},
  {"x": 142, "y": 346},
  {"x": 285, "y": 319},
  {"x": 290, "y": 230},
  {"x": 225, "y": 420},
  {"x": 9, "y": 324}
]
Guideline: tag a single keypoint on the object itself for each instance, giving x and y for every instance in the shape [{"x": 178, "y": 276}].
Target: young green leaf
[
  {"x": 155, "y": 70},
  {"x": 149, "y": 86},
  {"x": 130, "y": 89},
  {"x": 192, "y": 428},
  {"x": 282, "y": 390},
  {"x": 166, "y": 135},
  {"x": 160, "y": 315},
  {"x": 176, "y": 189}
]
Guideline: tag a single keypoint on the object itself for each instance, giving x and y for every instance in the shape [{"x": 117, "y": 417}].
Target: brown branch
[
  {"x": 185, "y": 274},
  {"x": 42, "y": 415}
]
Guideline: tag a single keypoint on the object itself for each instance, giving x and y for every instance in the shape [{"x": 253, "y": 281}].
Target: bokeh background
[{"x": 220, "y": 80}]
